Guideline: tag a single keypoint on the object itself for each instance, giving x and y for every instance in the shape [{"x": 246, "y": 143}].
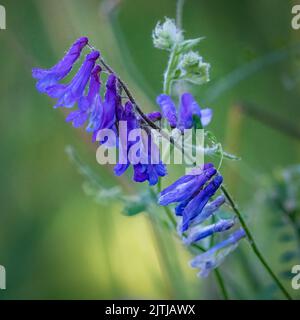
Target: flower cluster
[
  {"x": 188, "y": 109},
  {"x": 99, "y": 113},
  {"x": 194, "y": 195}
]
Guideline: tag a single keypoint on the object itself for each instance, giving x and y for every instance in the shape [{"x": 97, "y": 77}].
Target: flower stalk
[{"x": 223, "y": 188}]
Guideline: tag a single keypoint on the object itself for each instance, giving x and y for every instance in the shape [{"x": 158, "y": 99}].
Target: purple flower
[
  {"x": 149, "y": 168},
  {"x": 209, "y": 210},
  {"x": 193, "y": 194},
  {"x": 127, "y": 114},
  {"x": 187, "y": 110},
  {"x": 69, "y": 94},
  {"x": 47, "y": 78},
  {"x": 212, "y": 258},
  {"x": 185, "y": 187},
  {"x": 87, "y": 104},
  {"x": 150, "y": 172},
  {"x": 198, "y": 233},
  {"x": 196, "y": 205},
  {"x": 168, "y": 109},
  {"x": 154, "y": 116},
  {"x": 105, "y": 117}
]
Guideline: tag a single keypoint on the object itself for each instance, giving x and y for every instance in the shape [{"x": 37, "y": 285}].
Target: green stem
[
  {"x": 221, "y": 284},
  {"x": 179, "y": 11},
  {"x": 168, "y": 72},
  {"x": 253, "y": 244}
]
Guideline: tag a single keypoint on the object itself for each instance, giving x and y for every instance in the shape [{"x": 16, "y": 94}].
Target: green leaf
[{"x": 187, "y": 45}]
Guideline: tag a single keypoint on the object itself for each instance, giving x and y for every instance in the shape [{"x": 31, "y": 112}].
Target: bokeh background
[{"x": 56, "y": 241}]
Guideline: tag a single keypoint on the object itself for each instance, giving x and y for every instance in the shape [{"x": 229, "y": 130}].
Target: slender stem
[
  {"x": 226, "y": 193},
  {"x": 179, "y": 11},
  {"x": 221, "y": 284},
  {"x": 167, "y": 75},
  {"x": 253, "y": 244}
]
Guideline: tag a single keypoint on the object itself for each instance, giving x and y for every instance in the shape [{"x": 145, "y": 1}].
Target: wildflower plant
[{"x": 192, "y": 202}]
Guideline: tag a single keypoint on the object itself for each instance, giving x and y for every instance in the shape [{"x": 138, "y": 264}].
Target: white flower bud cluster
[
  {"x": 193, "y": 68},
  {"x": 166, "y": 35}
]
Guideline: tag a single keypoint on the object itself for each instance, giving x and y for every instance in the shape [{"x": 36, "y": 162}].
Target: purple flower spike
[
  {"x": 87, "y": 104},
  {"x": 197, "y": 204},
  {"x": 68, "y": 95},
  {"x": 168, "y": 109},
  {"x": 47, "y": 78}
]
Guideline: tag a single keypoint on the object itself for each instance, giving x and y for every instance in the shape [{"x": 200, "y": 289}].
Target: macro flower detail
[
  {"x": 183, "y": 118},
  {"x": 47, "y": 78},
  {"x": 193, "y": 194},
  {"x": 69, "y": 94}
]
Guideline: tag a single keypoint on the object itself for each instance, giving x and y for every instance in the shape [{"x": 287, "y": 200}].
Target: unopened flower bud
[{"x": 166, "y": 35}]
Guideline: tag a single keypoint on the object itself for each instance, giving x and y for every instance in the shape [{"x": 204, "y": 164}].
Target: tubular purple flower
[
  {"x": 185, "y": 112},
  {"x": 87, "y": 104},
  {"x": 106, "y": 116},
  {"x": 129, "y": 116},
  {"x": 50, "y": 77},
  {"x": 198, "y": 233},
  {"x": 168, "y": 109},
  {"x": 188, "y": 108},
  {"x": 209, "y": 209},
  {"x": 151, "y": 167},
  {"x": 212, "y": 258},
  {"x": 150, "y": 172},
  {"x": 196, "y": 205},
  {"x": 185, "y": 187},
  {"x": 68, "y": 95}
]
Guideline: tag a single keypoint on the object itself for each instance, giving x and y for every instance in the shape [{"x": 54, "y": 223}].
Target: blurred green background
[{"x": 55, "y": 241}]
